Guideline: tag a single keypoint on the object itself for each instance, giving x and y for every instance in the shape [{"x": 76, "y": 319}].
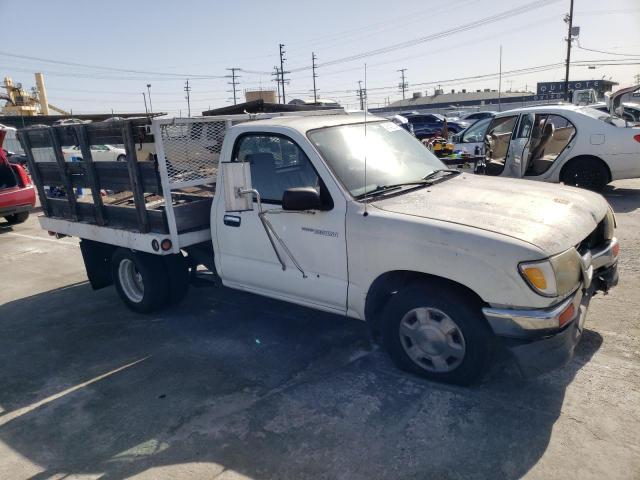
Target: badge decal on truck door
[{"x": 317, "y": 231}]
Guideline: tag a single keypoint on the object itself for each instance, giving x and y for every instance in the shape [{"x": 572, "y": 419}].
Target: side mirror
[
  {"x": 236, "y": 180},
  {"x": 301, "y": 198}
]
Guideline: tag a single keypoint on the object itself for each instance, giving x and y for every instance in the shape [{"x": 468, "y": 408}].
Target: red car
[{"x": 17, "y": 195}]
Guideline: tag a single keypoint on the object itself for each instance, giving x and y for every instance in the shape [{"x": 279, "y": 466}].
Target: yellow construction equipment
[{"x": 19, "y": 102}]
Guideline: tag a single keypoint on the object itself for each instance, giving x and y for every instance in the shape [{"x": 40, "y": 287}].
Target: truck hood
[{"x": 550, "y": 216}]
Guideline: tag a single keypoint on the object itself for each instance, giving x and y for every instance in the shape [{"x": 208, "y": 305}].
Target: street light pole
[{"x": 146, "y": 111}]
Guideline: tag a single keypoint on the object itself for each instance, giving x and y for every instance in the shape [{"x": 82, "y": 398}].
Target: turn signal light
[
  {"x": 637, "y": 138},
  {"x": 616, "y": 249},
  {"x": 536, "y": 277},
  {"x": 567, "y": 315}
]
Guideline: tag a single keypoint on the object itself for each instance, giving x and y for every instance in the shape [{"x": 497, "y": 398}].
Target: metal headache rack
[{"x": 179, "y": 162}]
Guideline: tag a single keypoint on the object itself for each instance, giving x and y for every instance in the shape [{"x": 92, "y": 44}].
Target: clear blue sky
[{"x": 202, "y": 38}]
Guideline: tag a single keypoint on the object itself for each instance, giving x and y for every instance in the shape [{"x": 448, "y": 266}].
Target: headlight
[
  {"x": 554, "y": 277},
  {"x": 609, "y": 224}
]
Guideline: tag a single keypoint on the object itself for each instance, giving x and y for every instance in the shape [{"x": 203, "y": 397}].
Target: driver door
[{"x": 316, "y": 240}]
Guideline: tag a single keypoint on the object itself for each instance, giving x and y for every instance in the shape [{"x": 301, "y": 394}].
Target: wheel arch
[
  {"x": 585, "y": 156},
  {"x": 387, "y": 284}
]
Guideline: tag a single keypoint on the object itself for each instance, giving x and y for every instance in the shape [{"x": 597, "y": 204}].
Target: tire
[
  {"x": 17, "y": 218},
  {"x": 177, "y": 269},
  {"x": 589, "y": 173},
  {"x": 121, "y": 158},
  {"x": 141, "y": 280},
  {"x": 443, "y": 328}
]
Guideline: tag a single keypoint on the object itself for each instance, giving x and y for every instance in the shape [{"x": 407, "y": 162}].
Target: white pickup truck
[{"x": 349, "y": 215}]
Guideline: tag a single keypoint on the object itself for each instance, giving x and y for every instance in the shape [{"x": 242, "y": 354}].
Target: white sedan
[
  {"x": 99, "y": 153},
  {"x": 579, "y": 146}
]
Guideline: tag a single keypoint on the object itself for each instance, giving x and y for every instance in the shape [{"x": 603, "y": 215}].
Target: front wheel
[
  {"x": 140, "y": 280},
  {"x": 437, "y": 333}
]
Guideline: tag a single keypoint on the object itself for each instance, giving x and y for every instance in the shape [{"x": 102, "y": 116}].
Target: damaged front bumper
[{"x": 541, "y": 340}]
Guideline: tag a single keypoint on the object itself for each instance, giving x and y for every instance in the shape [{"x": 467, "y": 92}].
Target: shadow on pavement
[
  {"x": 237, "y": 382},
  {"x": 622, "y": 200}
]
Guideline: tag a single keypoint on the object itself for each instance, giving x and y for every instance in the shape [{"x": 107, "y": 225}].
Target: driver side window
[{"x": 277, "y": 164}]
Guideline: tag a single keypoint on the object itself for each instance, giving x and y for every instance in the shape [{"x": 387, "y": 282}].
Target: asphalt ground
[{"x": 229, "y": 385}]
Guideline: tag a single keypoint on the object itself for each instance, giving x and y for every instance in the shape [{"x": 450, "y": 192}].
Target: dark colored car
[
  {"x": 426, "y": 125},
  {"x": 475, "y": 116},
  {"x": 17, "y": 195}
]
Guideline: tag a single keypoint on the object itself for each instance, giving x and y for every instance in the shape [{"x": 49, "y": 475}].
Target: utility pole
[
  {"x": 233, "y": 81},
  {"x": 282, "y": 72},
  {"x": 403, "y": 85},
  {"x": 361, "y": 94},
  {"x": 149, "y": 93},
  {"x": 187, "y": 89},
  {"x": 500, "y": 80},
  {"x": 276, "y": 74},
  {"x": 315, "y": 75},
  {"x": 569, "y": 20},
  {"x": 144, "y": 96}
]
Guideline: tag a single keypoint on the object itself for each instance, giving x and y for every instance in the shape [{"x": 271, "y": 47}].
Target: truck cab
[{"x": 350, "y": 214}]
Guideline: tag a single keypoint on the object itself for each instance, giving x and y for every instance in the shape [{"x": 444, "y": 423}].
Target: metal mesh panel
[{"x": 192, "y": 149}]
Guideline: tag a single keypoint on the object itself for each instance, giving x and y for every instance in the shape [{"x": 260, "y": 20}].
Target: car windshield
[
  {"x": 475, "y": 133},
  {"x": 393, "y": 155}
]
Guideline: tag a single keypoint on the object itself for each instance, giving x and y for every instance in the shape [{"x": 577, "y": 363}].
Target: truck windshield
[{"x": 393, "y": 155}]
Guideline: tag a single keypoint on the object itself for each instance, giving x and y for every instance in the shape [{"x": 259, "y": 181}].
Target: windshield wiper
[
  {"x": 429, "y": 179},
  {"x": 452, "y": 172}
]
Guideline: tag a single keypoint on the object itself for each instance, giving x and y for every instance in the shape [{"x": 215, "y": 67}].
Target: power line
[
  {"x": 445, "y": 33},
  {"x": 102, "y": 67}
]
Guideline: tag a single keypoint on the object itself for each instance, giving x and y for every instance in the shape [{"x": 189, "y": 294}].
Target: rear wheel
[
  {"x": 140, "y": 279},
  {"x": 121, "y": 158},
  {"x": 589, "y": 173},
  {"x": 17, "y": 218},
  {"x": 437, "y": 333}
]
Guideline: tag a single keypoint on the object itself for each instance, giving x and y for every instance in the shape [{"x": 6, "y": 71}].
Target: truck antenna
[{"x": 365, "y": 139}]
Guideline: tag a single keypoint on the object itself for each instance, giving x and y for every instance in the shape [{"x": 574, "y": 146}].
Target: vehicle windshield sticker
[
  {"x": 317, "y": 231},
  {"x": 390, "y": 126}
]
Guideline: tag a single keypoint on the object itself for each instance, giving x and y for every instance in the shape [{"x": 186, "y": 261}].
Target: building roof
[{"x": 457, "y": 97}]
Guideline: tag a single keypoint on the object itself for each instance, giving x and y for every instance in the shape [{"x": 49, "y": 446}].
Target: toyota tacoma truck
[{"x": 344, "y": 213}]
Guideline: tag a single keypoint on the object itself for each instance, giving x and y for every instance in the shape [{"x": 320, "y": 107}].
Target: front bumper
[{"x": 534, "y": 336}]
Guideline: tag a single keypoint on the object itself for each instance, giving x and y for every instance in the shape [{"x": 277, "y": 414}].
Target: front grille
[{"x": 593, "y": 240}]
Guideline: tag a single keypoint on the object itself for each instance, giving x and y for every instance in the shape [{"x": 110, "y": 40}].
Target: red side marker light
[
  {"x": 637, "y": 138},
  {"x": 165, "y": 244},
  {"x": 616, "y": 249}
]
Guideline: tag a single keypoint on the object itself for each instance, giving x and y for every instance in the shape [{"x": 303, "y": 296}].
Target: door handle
[{"x": 232, "y": 220}]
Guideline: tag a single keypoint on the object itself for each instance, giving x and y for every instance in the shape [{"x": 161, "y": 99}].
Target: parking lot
[{"x": 228, "y": 385}]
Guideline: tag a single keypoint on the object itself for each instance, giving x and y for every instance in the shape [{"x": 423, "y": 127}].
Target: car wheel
[
  {"x": 17, "y": 218},
  {"x": 589, "y": 173},
  {"x": 121, "y": 158},
  {"x": 140, "y": 279},
  {"x": 437, "y": 333}
]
